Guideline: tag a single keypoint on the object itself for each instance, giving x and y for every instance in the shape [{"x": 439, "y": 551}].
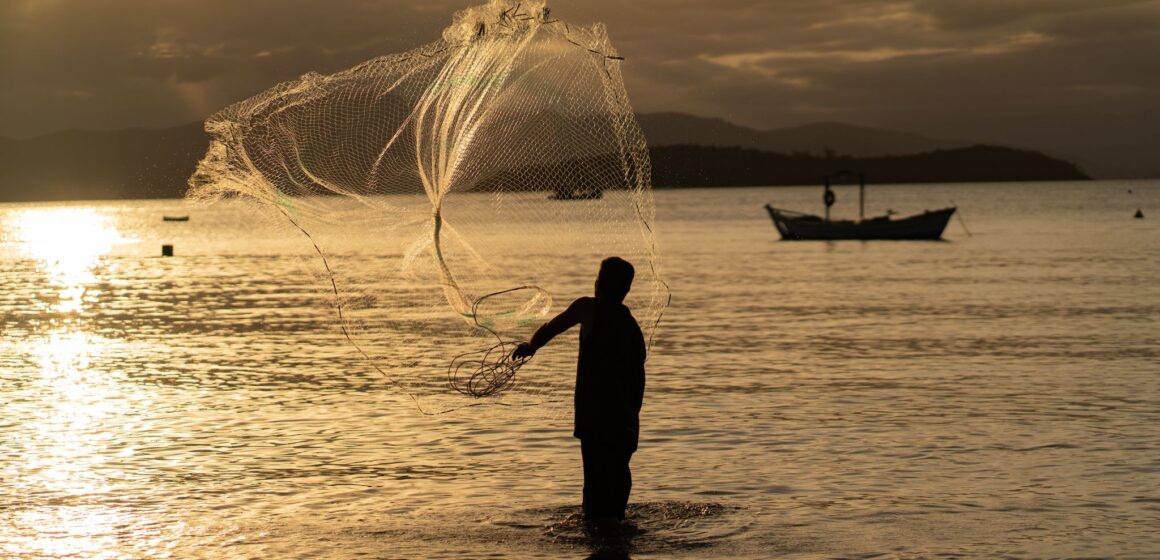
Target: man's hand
[{"x": 524, "y": 350}]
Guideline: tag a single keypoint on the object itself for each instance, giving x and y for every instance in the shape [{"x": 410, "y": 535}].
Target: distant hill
[
  {"x": 678, "y": 129},
  {"x": 84, "y": 165},
  {"x": 701, "y": 166},
  {"x": 144, "y": 163},
  {"x": 709, "y": 166}
]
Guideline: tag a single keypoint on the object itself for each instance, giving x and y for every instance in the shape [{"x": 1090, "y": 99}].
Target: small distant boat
[
  {"x": 175, "y": 218},
  {"x": 576, "y": 194},
  {"x": 795, "y": 226}
]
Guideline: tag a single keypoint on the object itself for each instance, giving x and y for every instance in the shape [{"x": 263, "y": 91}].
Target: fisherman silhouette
[{"x": 609, "y": 387}]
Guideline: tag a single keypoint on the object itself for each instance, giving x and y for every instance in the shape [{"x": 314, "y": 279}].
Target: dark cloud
[
  {"x": 1072, "y": 76},
  {"x": 983, "y": 14},
  {"x": 163, "y": 62}
]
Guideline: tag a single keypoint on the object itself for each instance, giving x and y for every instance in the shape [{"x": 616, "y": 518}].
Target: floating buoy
[
  {"x": 1139, "y": 214},
  {"x": 167, "y": 250}
]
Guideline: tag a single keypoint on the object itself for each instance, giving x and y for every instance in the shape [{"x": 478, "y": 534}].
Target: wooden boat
[
  {"x": 795, "y": 226},
  {"x": 175, "y": 218}
]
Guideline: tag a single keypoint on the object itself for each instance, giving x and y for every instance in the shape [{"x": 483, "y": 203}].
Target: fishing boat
[
  {"x": 175, "y": 218},
  {"x": 795, "y": 226}
]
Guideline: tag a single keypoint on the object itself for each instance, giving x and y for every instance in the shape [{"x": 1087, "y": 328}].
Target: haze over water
[{"x": 994, "y": 394}]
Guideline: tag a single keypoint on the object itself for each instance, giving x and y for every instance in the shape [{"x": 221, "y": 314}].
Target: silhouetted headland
[
  {"x": 101, "y": 165},
  {"x": 702, "y": 166},
  {"x": 156, "y": 163},
  {"x": 679, "y": 129}
]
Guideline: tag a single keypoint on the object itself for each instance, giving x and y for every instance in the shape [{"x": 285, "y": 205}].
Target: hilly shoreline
[
  {"x": 156, "y": 163},
  {"x": 703, "y": 166}
]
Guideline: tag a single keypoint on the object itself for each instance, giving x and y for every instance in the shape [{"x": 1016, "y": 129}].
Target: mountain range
[
  {"x": 686, "y": 150},
  {"x": 676, "y": 129}
]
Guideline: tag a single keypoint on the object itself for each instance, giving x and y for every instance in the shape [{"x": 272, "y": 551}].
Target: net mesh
[{"x": 450, "y": 190}]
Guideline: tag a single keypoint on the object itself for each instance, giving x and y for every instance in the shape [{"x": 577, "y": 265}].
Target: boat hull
[{"x": 926, "y": 226}]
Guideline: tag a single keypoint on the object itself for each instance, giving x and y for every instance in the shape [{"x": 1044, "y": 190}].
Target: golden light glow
[
  {"x": 67, "y": 408},
  {"x": 68, "y": 532},
  {"x": 68, "y": 428},
  {"x": 70, "y": 242},
  {"x": 65, "y": 440}
]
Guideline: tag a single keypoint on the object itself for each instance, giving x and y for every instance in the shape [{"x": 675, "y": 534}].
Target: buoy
[
  {"x": 167, "y": 250},
  {"x": 1139, "y": 214}
]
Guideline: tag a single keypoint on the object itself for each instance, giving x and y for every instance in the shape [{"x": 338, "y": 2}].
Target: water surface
[{"x": 996, "y": 394}]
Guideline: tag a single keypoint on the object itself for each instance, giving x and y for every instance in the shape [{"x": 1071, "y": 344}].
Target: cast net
[{"x": 456, "y": 195}]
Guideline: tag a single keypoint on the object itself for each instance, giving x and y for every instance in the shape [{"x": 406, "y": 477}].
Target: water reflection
[
  {"x": 66, "y": 532},
  {"x": 70, "y": 244},
  {"x": 66, "y": 417},
  {"x": 68, "y": 443},
  {"x": 66, "y": 430}
]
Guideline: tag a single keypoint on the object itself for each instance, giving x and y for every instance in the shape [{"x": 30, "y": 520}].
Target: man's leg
[
  {"x": 601, "y": 478},
  {"x": 589, "y": 459},
  {"x": 623, "y": 485}
]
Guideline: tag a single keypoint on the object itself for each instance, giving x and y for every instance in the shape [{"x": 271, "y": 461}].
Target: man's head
[{"x": 614, "y": 279}]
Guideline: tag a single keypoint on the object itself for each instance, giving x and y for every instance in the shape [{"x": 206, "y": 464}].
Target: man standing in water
[{"x": 609, "y": 387}]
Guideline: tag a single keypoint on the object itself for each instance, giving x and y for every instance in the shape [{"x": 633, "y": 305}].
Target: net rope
[{"x": 485, "y": 373}]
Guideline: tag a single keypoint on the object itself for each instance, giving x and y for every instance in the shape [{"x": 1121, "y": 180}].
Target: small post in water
[{"x": 828, "y": 198}]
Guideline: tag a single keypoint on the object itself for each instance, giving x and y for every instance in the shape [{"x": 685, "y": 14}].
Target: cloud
[
  {"x": 886, "y": 16},
  {"x": 119, "y": 50},
  {"x": 757, "y": 61},
  {"x": 984, "y": 14},
  {"x": 978, "y": 68}
]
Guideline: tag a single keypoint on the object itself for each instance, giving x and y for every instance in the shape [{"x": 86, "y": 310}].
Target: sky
[{"x": 1076, "y": 78}]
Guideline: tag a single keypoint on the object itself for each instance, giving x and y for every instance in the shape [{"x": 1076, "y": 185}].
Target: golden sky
[{"x": 1078, "y": 78}]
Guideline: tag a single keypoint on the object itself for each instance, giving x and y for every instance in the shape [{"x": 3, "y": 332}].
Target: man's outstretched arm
[{"x": 560, "y": 323}]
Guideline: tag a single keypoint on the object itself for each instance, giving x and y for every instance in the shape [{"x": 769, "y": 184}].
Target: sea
[{"x": 995, "y": 394}]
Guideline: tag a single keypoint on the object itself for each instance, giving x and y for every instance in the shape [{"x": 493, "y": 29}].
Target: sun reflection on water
[
  {"x": 70, "y": 244},
  {"x": 66, "y": 418},
  {"x": 68, "y": 429}
]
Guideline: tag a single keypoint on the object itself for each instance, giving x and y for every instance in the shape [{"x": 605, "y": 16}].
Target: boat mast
[
  {"x": 829, "y": 194},
  {"x": 861, "y": 196}
]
